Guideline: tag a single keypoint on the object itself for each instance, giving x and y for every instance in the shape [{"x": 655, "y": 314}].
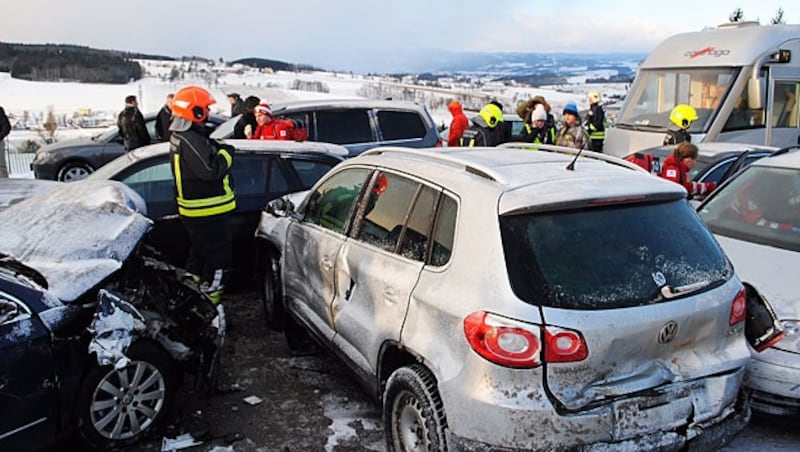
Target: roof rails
[
  {"x": 443, "y": 157},
  {"x": 574, "y": 152},
  {"x": 786, "y": 150}
]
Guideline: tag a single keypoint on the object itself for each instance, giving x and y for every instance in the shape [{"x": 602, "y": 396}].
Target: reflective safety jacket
[
  {"x": 678, "y": 136},
  {"x": 596, "y": 122},
  {"x": 677, "y": 171},
  {"x": 202, "y": 174},
  {"x": 545, "y": 135}
]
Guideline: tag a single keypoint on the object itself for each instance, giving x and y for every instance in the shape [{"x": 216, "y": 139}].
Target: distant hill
[
  {"x": 54, "y": 62},
  {"x": 275, "y": 65}
]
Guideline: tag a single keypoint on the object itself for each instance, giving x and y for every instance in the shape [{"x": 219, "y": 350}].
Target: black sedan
[
  {"x": 95, "y": 333},
  {"x": 262, "y": 170},
  {"x": 71, "y": 160},
  {"x": 715, "y": 161}
]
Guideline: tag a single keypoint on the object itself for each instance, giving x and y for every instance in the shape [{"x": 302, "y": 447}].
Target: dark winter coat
[
  {"x": 480, "y": 134},
  {"x": 132, "y": 129},
  {"x": 237, "y": 108},
  {"x": 202, "y": 173},
  {"x": 247, "y": 119},
  {"x": 544, "y": 135},
  {"x": 677, "y": 136},
  {"x": 5, "y": 125},
  {"x": 596, "y": 126},
  {"x": 163, "y": 119}
]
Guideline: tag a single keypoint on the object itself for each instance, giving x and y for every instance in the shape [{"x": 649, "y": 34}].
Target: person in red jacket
[
  {"x": 272, "y": 128},
  {"x": 459, "y": 123},
  {"x": 676, "y": 168}
]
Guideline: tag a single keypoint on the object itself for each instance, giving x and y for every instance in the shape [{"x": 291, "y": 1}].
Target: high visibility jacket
[
  {"x": 476, "y": 136},
  {"x": 545, "y": 135},
  {"x": 596, "y": 122},
  {"x": 202, "y": 175},
  {"x": 677, "y": 136},
  {"x": 677, "y": 171}
]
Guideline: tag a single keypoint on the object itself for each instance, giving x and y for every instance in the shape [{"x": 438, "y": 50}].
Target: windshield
[
  {"x": 762, "y": 205},
  {"x": 656, "y": 92},
  {"x": 611, "y": 257}
]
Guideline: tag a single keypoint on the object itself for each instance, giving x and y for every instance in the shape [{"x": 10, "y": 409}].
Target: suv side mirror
[{"x": 280, "y": 207}]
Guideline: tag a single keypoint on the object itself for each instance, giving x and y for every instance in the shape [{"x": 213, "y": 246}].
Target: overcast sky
[{"x": 328, "y": 33}]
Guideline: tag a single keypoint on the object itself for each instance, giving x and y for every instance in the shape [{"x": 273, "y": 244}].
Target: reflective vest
[{"x": 202, "y": 176}]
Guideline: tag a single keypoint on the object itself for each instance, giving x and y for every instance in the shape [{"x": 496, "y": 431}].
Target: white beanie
[{"x": 539, "y": 113}]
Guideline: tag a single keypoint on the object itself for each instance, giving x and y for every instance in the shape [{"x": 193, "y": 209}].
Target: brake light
[
  {"x": 739, "y": 307},
  {"x": 563, "y": 346},
  {"x": 501, "y": 342},
  {"x": 438, "y": 143},
  {"x": 518, "y": 345}
]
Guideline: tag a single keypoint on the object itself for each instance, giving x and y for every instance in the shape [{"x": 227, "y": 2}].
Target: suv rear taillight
[
  {"x": 739, "y": 307},
  {"x": 518, "y": 345}
]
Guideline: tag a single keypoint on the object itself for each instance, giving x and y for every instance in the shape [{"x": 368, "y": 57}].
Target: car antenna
[{"x": 571, "y": 166}]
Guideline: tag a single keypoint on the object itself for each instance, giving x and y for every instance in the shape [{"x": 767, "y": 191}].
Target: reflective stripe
[
  {"x": 204, "y": 207},
  {"x": 598, "y": 135},
  {"x": 224, "y": 153}
]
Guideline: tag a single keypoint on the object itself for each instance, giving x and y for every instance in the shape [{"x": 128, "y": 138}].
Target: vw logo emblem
[{"x": 668, "y": 332}]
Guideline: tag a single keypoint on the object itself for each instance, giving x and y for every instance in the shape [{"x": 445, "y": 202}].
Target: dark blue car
[{"x": 94, "y": 332}]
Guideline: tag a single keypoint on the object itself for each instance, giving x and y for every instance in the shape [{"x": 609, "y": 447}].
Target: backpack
[{"x": 649, "y": 162}]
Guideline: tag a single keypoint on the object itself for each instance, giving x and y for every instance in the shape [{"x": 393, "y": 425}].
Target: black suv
[{"x": 357, "y": 124}]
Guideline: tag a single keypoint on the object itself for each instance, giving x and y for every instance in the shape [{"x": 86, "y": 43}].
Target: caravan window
[
  {"x": 784, "y": 108},
  {"x": 657, "y": 91}
]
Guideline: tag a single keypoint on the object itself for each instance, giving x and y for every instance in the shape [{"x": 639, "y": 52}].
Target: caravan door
[{"x": 784, "y": 114}]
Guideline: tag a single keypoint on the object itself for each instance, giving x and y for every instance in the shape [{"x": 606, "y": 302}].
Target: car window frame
[
  {"x": 24, "y": 312},
  {"x": 302, "y": 210}
]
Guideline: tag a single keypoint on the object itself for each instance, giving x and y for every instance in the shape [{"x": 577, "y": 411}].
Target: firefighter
[
  {"x": 682, "y": 117},
  {"x": 676, "y": 168},
  {"x": 596, "y": 122},
  {"x": 482, "y": 132},
  {"x": 204, "y": 193}
]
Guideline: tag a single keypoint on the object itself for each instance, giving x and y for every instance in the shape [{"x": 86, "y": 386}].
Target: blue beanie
[{"x": 570, "y": 108}]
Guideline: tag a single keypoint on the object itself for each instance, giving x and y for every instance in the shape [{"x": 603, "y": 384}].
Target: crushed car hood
[
  {"x": 13, "y": 191},
  {"x": 76, "y": 235}
]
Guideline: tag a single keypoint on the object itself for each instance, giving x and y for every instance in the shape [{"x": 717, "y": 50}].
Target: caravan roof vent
[{"x": 746, "y": 23}]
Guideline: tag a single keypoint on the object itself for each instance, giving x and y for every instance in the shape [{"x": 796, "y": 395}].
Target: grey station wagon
[{"x": 515, "y": 299}]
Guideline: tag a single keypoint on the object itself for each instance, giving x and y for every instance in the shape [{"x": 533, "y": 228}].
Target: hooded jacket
[
  {"x": 459, "y": 123},
  {"x": 677, "y": 171}
]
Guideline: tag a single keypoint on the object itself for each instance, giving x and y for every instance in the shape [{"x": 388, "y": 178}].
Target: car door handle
[
  {"x": 349, "y": 290},
  {"x": 390, "y": 294}
]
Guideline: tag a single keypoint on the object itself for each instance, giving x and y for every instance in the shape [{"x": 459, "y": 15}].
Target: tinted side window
[
  {"x": 716, "y": 174},
  {"x": 154, "y": 183},
  {"x": 388, "y": 204},
  {"x": 415, "y": 237},
  {"x": 344, "y": 126},
  {"x": 331, "y": 204},
  {"x": 250, "y": 175},
  {"x": 400, "y": 125},
  {"x": 309, "y": 171},
  {"x": 445, "y": 231}
]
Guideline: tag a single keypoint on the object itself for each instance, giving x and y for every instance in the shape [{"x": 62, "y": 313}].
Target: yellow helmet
[
  {"x": 594, "y": 97},
  {"x": 492, "y": 114},
  {"x": 683, "y": 116}
]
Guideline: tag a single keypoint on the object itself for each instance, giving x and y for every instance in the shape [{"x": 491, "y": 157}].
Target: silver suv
[{"x": 505, "y": 298}]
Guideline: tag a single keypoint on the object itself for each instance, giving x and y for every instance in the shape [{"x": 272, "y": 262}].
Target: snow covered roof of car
[
  {"x": 76, "y": 235},
  {"x": 526, "y": 178}
]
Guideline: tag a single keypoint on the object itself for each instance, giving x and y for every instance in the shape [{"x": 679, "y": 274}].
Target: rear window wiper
[{"x": 670, "y": 292}]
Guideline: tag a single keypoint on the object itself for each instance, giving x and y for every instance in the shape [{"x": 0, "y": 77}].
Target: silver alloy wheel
[
  {"x": 75, "y": 173},
  {"x": 126, "y": 401},
  {"x": 409, "y": 424}
]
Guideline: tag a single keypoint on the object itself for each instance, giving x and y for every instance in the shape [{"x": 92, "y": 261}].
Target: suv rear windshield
[
  {"x": 609, "y": 257},
  {"x": 400, "y": 125},
  {"x": 762, "y": 205}
]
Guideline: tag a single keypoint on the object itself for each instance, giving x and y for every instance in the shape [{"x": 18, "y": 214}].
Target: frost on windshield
[{"x": 76, "y": 235}]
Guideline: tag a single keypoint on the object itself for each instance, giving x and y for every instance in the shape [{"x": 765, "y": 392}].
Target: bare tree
[
  {"x": 736, "y": 16},
  {"x": 778, "y": 17}
]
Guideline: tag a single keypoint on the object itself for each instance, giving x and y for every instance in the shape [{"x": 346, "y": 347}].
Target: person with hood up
[
  {"x": 459, "y": 123},
  {"x": 676, "y": 168},
  {"x": 682, "y": 117},
  {"x": 571, "y": 134},
  {"x": 204, "y": 193},
  {"x": 246, "y": 126},
  {"x": 538, "y": 131},
  {"x": 131, "y": 125},
  {"x": 482, "y": 131},
  {"x": 525, "y": 109}
]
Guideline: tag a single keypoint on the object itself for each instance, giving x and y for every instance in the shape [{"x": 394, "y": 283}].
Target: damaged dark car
[{"x": 96, "y": 334}]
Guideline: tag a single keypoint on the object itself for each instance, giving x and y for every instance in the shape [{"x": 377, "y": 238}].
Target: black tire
[
  {"x": 118, "y": 407},
  {"x": 272, "y": 297},
  {"x": 413, "y": 412},
  {"x": 72, "y": 171}
]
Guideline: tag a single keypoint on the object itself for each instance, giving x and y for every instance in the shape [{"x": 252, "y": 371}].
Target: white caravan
[{"x": 743, "y": 79}]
